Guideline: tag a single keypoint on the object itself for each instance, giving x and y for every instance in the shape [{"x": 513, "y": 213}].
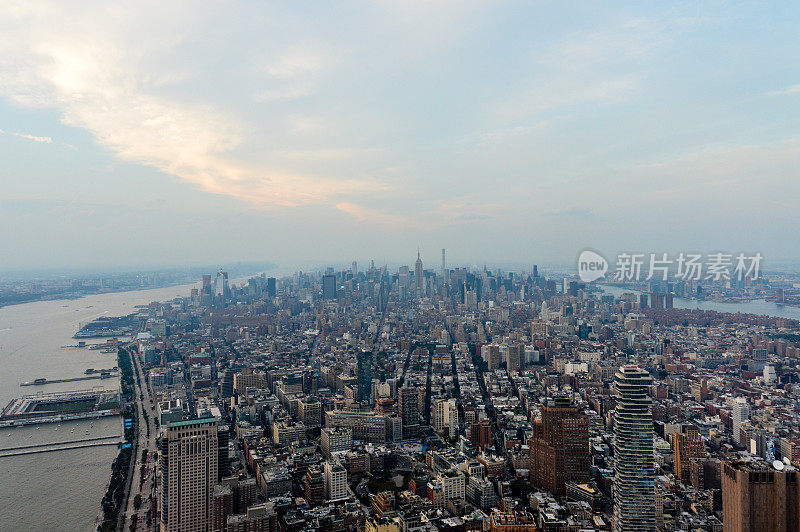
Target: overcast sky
[{"x": 205, "y": 132}]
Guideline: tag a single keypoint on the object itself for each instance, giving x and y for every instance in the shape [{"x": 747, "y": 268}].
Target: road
[{"x": 146, "y": 440}]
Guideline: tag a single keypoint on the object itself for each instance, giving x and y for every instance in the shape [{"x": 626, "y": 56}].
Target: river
[
  {"x": 59, "y": 490},
  {"x": 758, "y": 306}
]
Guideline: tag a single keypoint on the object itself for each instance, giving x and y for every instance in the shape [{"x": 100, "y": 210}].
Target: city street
[{"x": 146, "y": 438}]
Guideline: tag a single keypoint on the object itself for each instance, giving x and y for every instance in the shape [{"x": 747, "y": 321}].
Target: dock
[
  {"x": 64, "y": 446},
  {"x": 42, "y": 382},
  {"x": 60, "y": 406}
]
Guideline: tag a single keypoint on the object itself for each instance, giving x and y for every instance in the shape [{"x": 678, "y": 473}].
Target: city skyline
[
  {"x": 399, "y": 266},
  {"x": 143, "y": 134}
]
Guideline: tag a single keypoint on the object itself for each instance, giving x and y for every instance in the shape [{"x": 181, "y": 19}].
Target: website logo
[{"x": 591, "y": 266}]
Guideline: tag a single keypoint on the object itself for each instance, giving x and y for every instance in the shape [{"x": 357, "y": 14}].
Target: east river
[{"x": 758, "y": 306}]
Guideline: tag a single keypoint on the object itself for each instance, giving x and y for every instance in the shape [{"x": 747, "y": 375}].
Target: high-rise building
[
  {"x": 656, "y": 300},
  {"x": 221, "y": 284},
  {"x": 329, "y": 286},
  {"x": 634, "y": 488},
  {"x": 559, "y": 449},
  {"x": 480, "y": 434},
  {"x": 418, "y": 275},
  {"x": 334, "y": 440},
  {"x": 226, "y": 383},
  {"x": 314, "y": 482},
  {"x": 513, "y": 357},
  {"x": 223, "y": 453},
  {"x": 364, "y": 375},
  {"x": 686, "y": 446},
  {"x": 222, "y": 504},
  {"x": 309, "y": 410},
  {"x": 740, "y": 414},
  {"x": 189, "y": 473},
  {"x": 354, "y": 269},
  {"x": 335, "y": 480},
  {"x": 444, "y": 268},
  {"x": 757, "y": 496},
  {"x": 445, "y": 417},
  {"x": 480, "y": 492},
  {"x": 490, "y": 353},
  {"x": 271, "y": 287},
  {"x": 408, "y": 405}
]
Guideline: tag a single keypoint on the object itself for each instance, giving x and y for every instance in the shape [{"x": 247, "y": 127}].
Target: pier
[
  {"x": 60, "y": 406},
  {"x": 48, "y": 447},
  {"x": 42, "y": 382}
]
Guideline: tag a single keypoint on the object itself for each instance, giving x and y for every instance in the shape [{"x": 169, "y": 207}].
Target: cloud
[
  {"x": 793, "y": 89},
  {"x": 103, "y": 75},
  {"x": 374, "y": 216},
  {"x": 573, "y": 212},
  {"x": 755, "y": 171},
  {"x": 607, "y": 66},
  {"x": 45, "y": 140},
  {"x": 296, "y": 72},
  {"x": 318, "y": 107}
]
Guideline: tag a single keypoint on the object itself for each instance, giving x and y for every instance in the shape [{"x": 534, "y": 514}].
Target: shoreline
[
  {"x": 73, "y": 297},
  {"x": 703, "y": 304}
]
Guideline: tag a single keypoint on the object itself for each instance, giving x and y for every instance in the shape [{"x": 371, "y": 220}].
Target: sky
[{"x": 160, "y": 133}]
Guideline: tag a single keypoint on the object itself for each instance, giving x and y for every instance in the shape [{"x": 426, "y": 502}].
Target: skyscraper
[
  {"x": 740, "y": 414},
  {"x": 445, "y": 417},
  {"x": 491, "y": 354},
  {"x": 329, "y": 286},
  {"x": 513, "y": 357},
  {"x": 444, "y": 268},
  {"x": 409, "y": 411},
  {"x": 634, "y": 489},
  {"x": 221, "y": 284},
  {"x": 418, "y": 274},
  {"x": 364, "y": 375},
  {"x": 559, "y": 449},
  {"x": 189, "y": 468},
  {"x": 757, "y": 496}
]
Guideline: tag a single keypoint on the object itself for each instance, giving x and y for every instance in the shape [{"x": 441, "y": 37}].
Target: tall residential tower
[{"x": 634, "y": 488}]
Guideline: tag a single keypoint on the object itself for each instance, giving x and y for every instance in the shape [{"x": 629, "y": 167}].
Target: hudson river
[{"x": 58, "y": 490}]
